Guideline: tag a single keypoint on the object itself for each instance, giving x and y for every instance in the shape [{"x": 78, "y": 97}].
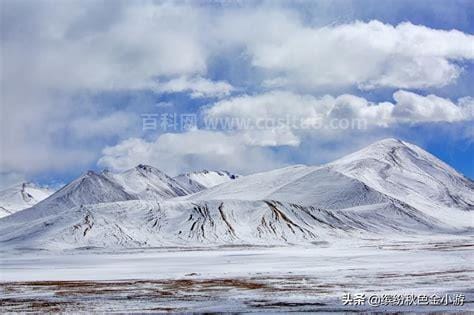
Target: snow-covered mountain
[
  {"x": 389, "y": 188},
  {"x": 386, "y": 170},
  {"x": 21, "y": 196},
  {"x": 148, "y": 183},
  {"x": 201, "y": 180},
  {"x": 142, "y": 182},
  {"x": 89, "y": 188},
  {"x": 408, "y": 173}
]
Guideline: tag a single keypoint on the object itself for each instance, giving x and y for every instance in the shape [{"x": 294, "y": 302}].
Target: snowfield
[
  {"x": 388, "y": 218},
  {"x": 240, "y": 279}
]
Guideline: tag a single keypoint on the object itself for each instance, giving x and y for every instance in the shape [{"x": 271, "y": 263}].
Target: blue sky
[{"x": 78, "y": 77}]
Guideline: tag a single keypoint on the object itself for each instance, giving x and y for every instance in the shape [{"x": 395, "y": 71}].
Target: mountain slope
[
  {"x": 89, "y": 188},
  {"x": 148, "y": 183},
  {"x": 21, "y": 196},
  {"x": 386, "y": 170},
  {"x": 253, "y": 187},
  {"x": 140, "y": 223},
  {"x": 303, "y": 185},
  {"x": 201, "y": 180},
  {"x": 408, "y": 173}
]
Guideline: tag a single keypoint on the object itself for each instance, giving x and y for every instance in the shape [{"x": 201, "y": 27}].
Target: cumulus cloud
[
  {"x": 276, "y": 103},
  {"x": 75, "y": 46},
  {"x": 54, "y": 52},
  {"x": 411, "y": 107},
  {"x": 176, "y": 153},
  {"x": 125, "y": 45},
  {"x": 85, "y": 127},
  {"x": 197, "y": 87},
  {"x": 270, "y": 137},
  {"x": 303, "y": 109},
  {"x": 367, "y": 54}
]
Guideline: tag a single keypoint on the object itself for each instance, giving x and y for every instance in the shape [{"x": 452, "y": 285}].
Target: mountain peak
[
  {"x": 145, "y": 167},
  {"x": 405, "y": 171},
  {"x": 89, "y": 176},
  {"x": 385, "y": 145},
  {"x": 205, "y": 179},
  {"x": 89, "y": 173},
  {"x": 148, "y": 182},
  {"x": 389, "y": 142},
  {"x": 384, "y": 150}
]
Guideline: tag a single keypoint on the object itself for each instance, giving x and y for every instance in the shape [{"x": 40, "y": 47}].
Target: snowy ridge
[
  {"x": 254, "y": 187},
  {"x": 148, "y": 183},
  {"x": 303, "y": 185},
  {"x": 140, "y": 183},
  {"x": 21, "y": 196},
  {"x": 201, "y": 180}
]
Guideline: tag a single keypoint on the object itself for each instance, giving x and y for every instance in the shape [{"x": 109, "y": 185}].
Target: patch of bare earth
[
  {"x": 288, "y": 293},
  {"x": 59, "y": 296}
]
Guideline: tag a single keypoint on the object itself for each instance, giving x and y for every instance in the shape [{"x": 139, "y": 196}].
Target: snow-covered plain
[
  {"x": 295, "y": 278},
  {"x": 390, "y": 218}
]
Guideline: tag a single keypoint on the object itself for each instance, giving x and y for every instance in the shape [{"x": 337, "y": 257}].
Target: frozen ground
[{"x": 239, "y": 278}]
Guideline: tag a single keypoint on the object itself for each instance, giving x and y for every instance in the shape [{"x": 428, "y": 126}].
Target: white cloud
[
  {"x": 197, "y": 86},
  {"x": 411, "y": 107},
  {"x": 113, "y": 124},
  {"x": 368, "y": 54},
  {"x": 407, "y": 108},
  {"x": 10, "y": 179},
  {"x": 176, "y": 153},
  {"x": 271, "y": 104},
  {"x": 123, "y": 46},
  {"x": 270, "y": 137},
  {"x": 52, "y": 52},
  {"x": 145, "y": 41}
]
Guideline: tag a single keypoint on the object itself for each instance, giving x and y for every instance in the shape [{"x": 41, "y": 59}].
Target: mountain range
[
  {"x": 388, "y": 188},
  {"x": 141, "y": 182}
]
